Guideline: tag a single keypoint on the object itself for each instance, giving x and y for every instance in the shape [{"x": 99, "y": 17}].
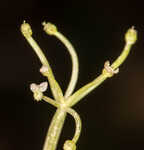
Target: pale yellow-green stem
[
  {"x": 122, "y": 57},
  {"x": 78, "y": 123},
  {"x": 75, "y": 66},
  {"x": 27, "y": 33},
  {"x": 71, "y": 144},
  {"x": 51, "y": 29},
  {"x": 56, "y": 126},
  {"x": 54, "y": 130},
  {"x": 78, "y": 95},
  {"x": 51, "y": 101},
  {"x": 130, "y": 39}
]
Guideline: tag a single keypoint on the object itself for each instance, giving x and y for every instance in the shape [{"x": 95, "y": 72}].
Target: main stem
[{"x": 54, "y": 130}]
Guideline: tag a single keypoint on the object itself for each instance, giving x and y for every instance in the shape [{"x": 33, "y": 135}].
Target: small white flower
[
  {"x": 43, "y": 86},
  {"x": 34, "y": 87},
  {"x": 38, "y": 90}
]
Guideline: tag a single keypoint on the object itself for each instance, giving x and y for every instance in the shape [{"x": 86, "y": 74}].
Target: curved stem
[
  {"x": 122, "y": 57},
  {"x": 130, "y": 39},
  {"x": 51, "y": 29},
  {"x": 75, "y": 65},
  {"x": 77, "y": 123}
]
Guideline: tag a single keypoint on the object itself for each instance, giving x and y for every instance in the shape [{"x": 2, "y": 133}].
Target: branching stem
[{"x": 63, "y": 103}]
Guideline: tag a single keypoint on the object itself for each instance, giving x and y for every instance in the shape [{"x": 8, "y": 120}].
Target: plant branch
[{"x": 51, "y": 29}]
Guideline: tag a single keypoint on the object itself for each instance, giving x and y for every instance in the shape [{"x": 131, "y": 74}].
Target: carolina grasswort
[{"x": 64, "y": 102}]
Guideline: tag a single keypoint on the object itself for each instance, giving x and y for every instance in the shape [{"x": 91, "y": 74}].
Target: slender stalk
[
  {"x": 75, "y": 65},
  {"x": 51, "y": 29},
  {"x": 122, "y": 57},
  {"x": 130, "y": 39},
  {"x": 78, "y": 123},
  {"x": 38, "y": 51},
  {"x": 51, "y": 101}
]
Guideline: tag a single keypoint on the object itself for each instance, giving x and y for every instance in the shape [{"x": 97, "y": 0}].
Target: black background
[{"x": 113, "y": 114}]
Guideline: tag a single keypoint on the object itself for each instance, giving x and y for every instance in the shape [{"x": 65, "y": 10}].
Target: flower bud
[
  {"x": 69, "y": 145},
  {"x": 38, "y": 90},
  {"x": 44, "y": 69},
  {"x": 43, "y": 86},
  {"x": 49, "y": 28},
  {"x": 131, "y": 36},
  {"x": 26, "y": 29}
]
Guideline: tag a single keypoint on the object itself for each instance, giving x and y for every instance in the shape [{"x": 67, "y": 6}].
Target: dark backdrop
[{"x": 113, "y": 114}]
